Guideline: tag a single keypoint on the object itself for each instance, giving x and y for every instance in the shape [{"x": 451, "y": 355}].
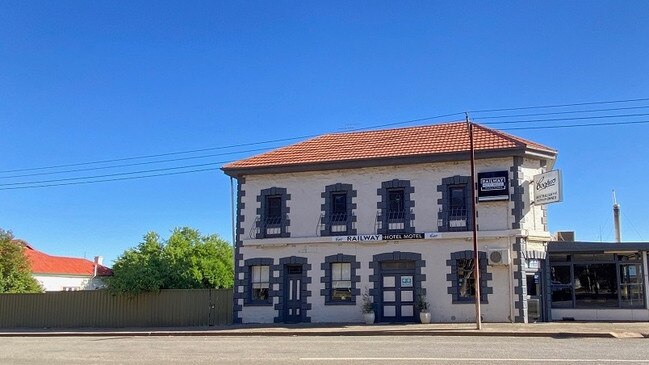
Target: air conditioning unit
[{"x": 499, "y": 256}]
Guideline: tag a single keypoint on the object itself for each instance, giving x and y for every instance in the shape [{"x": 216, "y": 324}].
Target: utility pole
[{"x": 476, "y": 261}]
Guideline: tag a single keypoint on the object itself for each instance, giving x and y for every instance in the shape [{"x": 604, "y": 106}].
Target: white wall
[{"x": 59, "y": 283}]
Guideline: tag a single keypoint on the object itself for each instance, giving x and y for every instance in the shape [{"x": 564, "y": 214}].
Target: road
[{"x": 321, "y": 350}]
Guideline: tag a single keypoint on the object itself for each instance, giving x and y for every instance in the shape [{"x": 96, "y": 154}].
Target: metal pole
[
  {"x": 476, "y": 260},
  {"x": 616, "y": 219}
]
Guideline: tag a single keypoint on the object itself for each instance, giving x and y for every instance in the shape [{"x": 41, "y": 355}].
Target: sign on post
[
  {"x": 547, "y": 188},
  {"x": 493, "y": 186}
]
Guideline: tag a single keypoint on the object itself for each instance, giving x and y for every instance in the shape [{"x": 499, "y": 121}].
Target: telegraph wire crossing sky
[
  {"x": 116, "y": 117},
  {"x": 119, "y": 176}
]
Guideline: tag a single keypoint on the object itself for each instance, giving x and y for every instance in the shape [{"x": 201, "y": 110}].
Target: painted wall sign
[
  {"x": 386, "y": 237},
  {"x": 404, "y": 236},
  {"x": 547, "y": 188},
  {"x": 358, "y": 238},
  {"x": 493, "y": 185}
]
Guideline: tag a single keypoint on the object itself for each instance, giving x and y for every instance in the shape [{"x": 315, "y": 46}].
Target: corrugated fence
[{"x": 99, "y": 308}]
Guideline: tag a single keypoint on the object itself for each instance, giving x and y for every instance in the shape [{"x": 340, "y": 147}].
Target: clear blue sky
[{"x": 85, "y": 81}]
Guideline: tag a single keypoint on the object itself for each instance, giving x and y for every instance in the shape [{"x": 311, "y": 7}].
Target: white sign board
[{"x": 547, "y": 188}]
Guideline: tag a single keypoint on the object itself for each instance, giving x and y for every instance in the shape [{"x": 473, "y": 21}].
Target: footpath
[{"x": 552, "y": 329}]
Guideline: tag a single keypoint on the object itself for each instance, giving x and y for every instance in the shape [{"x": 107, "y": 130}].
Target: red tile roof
[
  {"x": 42, "y": 263},
  {"x": 389, "y": 143}
]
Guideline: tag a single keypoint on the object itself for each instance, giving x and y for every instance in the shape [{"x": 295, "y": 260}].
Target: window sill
[
  {"x": 330, "y": 302},
  {"x": 469, "y": 302},
  {"x": 258, "y": 304}
]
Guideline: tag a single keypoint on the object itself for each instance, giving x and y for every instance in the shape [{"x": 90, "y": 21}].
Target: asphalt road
[{"x": 321, "y": 350}]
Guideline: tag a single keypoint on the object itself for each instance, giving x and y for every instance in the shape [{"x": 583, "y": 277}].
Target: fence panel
[{"x": 101, "y": 309}]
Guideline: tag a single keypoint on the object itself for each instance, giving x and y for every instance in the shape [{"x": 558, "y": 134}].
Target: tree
[
  {"x": 15, "y": 271},
  {"x": 187, "y": 260}
]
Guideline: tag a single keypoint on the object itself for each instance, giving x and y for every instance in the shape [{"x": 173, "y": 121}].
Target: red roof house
[{"x": 65, "y": 273}]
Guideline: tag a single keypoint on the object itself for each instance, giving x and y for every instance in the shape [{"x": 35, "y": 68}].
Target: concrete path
[{"x": 554, "y": 329}]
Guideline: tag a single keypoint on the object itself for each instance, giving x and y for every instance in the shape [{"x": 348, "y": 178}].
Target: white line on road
[{"x": 466, "y": 359}]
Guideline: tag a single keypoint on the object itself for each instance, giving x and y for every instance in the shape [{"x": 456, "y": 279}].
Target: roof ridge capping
[{"x": 407, "y": 145}]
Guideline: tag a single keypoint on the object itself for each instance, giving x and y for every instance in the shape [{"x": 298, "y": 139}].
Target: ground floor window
[
  {"x": 341, "y": 281},
  {"x": 260, "y": 282},
  {"x": 462, "y": 277},
  {"x": 596, "y": 281},
  {"x": 465, "y": 280}
]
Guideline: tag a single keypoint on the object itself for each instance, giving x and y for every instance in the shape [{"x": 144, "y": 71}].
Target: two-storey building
[{"x": 321, "y": 222}]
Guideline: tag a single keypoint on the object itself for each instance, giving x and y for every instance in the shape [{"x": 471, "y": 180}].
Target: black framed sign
[{"x": 493, "y": 186}]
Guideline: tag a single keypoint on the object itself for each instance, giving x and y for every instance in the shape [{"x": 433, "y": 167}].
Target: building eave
[{"x": 388, "y": 161}]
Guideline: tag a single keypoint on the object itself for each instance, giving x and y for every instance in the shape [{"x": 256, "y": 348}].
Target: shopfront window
[
  {"x": 631, "y": 288},
  {"x": 593, "y": 281},
  {"x": 595, "y": 286},
  {"x": 561, "y": 286}
]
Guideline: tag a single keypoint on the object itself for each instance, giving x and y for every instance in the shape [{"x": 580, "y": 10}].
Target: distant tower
[{"x": 616, "y": 219}]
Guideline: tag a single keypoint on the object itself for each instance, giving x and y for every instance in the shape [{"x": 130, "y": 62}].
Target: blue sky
[{"x": 86, "y": 81}]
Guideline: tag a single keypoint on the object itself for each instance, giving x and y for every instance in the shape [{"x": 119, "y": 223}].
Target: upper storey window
[
  {"x": 455, "y": 212},
  {"x": 339, "y": 207},
  {"x": 272, "y": 215},
  {"x": 395, "y": 208},
  {"x": 337, "y": 217}
]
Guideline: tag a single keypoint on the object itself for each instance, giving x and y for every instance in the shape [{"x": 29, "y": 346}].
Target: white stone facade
[{"x": 515, "y": 225}]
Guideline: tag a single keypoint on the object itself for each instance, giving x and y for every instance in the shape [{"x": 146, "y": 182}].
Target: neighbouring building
[
  {"x": 597, "y": 281},
  {"x": 58, "y": 273},
  {"x": 320, "y": 222}
]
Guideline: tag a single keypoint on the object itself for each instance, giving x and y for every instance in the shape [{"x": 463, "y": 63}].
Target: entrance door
[
  {"x": 397, "y": 291},
  {"x": 534, "y": 293},
  {"x": 292, "y": 294}
]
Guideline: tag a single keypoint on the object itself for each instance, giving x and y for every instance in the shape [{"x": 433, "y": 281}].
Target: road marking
[{"x": 466, "y": 359}]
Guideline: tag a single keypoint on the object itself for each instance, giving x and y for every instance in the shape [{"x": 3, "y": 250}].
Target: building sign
[
  {"x": 547, "y": 188},
  {"x": 381, "y": 237},
  {"x": 358, "y": 238},
  {"x": 493, "y": 186},
  {"x": 406, "y": 281},
  {"x": 403, "y": 236}
]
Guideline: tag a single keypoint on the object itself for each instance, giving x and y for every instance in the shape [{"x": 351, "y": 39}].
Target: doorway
[
  {"x": 397, "y": 301},
  {"x": 293, "y": 294}
]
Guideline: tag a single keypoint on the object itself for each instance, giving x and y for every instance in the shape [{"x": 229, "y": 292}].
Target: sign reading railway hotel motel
[{"x": 382, "y": 237}]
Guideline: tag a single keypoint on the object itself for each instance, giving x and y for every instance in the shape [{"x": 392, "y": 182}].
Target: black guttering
[
  {"x": 562, "y": 246},
  {"x": 399, "y": 160}
]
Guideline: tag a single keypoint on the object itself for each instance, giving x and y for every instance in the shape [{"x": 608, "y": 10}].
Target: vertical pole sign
[{"x": 548, "y": 188}]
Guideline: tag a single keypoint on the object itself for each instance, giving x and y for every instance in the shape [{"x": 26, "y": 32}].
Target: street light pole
[{"x": 476, "y": 261}]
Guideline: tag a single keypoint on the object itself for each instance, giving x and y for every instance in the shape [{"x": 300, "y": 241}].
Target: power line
[
  {"x": 560, "y": 113},
  {"x": 577, "y": 125},
  {"x": 557, "y": 105},
  {"x": 357, "y": 129},
  {"x": 107, "y": 180},
  {"x": 75, "y": 179},
  {"x": 157, "y": 155},
  {"x": 135, "y": 164},
  {"x": 571, "y": 118},
  {"x": 111, "y": 175}
]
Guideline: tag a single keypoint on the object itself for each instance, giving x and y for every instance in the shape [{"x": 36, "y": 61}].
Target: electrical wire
[
  {"x": 115, "y": 174},
  {"x": 121, "y": 175},
  {"x": 557, "y": 105},
  {"x": 560, "y": 113},
  {"x": 136, "y": 164},
  {"x": 158, "y": 155},
  {"x": 108, "y": 180},
  {"x": 576, "y": 125},
  {"x": 571, "y": 118},
  {"x": 314, "y": 135}
]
